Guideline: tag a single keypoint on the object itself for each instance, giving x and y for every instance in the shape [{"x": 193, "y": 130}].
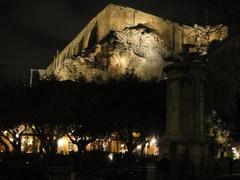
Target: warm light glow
[
  {"x": 104, "y": 145},
  {"x": 122, "y": 145},
  {"x": 139, "y": 147},
  {"x": 60, "y": 142},
  {"x": 236, "y": 154},
  {"x": 202, "y": 36},
  {"x": 30, "y": 142},
  {"x": 5, "y": 133},
  {"x": 11, "y": 139},
  {"x": 139, "y": 50},
  {"x": 136, "y": 134},
  {"x": 23, "y": 139},
  {"x": 110, "y": 156},
  {"x": 153, "y": 141}
]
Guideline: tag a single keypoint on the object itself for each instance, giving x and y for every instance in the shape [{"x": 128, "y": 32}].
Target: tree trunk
[
  {"x": 143, "y": 148},
  {"x": 17, "y": 147},
  {"x": 53, "y": 146},
  {"x": 6, "y": 148},
  {"x": 41, "y": 147},
  {"x": 43, "y": 144},
  {"x": 81, "y": 149}
]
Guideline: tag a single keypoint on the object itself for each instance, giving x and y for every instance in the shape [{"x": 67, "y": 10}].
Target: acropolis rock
[{"x": 120, "y": 40}]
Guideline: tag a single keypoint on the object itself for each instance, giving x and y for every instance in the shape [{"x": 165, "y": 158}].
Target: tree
[
  {"x": 222, "y": 58},
  {"x": 12, "y": 107},
  {"x": 137, "y": 110},
  {"x": 81, "y": 135},
  {"x": 13, "y": 136},
  {"x": 88, "y": 121},
  {"x": 47, "y": 115},
  {"x": 216, "y": 128}
]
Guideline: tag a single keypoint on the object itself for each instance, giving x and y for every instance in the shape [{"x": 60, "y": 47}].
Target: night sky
[{"x": 31, "y": 31}]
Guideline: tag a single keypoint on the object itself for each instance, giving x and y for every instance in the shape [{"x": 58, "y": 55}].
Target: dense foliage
[{"x": 83, "y": 111}]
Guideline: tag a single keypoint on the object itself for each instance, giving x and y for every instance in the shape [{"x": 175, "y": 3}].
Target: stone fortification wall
[{"x": 116, "y": 18}]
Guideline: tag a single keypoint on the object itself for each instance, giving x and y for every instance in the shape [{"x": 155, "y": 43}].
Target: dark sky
[{"x": 31, "y": 31}]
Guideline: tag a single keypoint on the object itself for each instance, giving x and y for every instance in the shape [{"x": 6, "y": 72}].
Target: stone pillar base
[{"x": 190, "y": 158}]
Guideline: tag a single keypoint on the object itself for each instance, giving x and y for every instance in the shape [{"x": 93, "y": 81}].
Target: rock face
[
  {"x": 138, "y": 50},
  {"x": 121, "y": 40}
]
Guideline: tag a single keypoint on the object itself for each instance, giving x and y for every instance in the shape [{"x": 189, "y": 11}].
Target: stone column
[{"x": 185, "y": 140}]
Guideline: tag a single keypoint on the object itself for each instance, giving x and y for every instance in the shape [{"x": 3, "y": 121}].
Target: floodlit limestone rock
[
  {"x": 138, "y": 49},
  {"x": 122, "y": 40}
]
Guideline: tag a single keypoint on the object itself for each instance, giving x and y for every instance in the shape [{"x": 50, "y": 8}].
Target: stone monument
[{"x": 185, "y": 141}]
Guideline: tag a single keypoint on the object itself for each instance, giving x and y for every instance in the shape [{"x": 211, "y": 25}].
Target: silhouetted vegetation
[{"x": 54, "y": 109}]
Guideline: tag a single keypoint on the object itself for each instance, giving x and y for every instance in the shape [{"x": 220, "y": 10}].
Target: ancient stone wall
[{"x": 116, "y": 18}]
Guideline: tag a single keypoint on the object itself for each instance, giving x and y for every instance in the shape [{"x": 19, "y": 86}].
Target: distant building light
[
  {"x": 110, "y": 156},
  {"x": 104, "y": 145},
  {"x": 236, "y": 154},
  {"x": 139, "y": 147},
  {"x": 17, "y": 135},
  {"x": 153, "y": 141},
  {"x": 23, "y": 139},
  {"x": 5, "y": 133},
  {"x": 61, "y": 142},
  {"x": 30, "y": 142}
]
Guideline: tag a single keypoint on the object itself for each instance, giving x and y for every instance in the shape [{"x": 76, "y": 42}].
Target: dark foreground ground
[{"x": 94, "y": 166}]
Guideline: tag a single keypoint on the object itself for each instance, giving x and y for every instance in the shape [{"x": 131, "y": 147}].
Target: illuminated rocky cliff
[{"x": 122, "y": 40}]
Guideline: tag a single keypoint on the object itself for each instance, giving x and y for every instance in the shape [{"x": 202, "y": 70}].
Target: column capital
[{"x": 184, "y": 69}]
